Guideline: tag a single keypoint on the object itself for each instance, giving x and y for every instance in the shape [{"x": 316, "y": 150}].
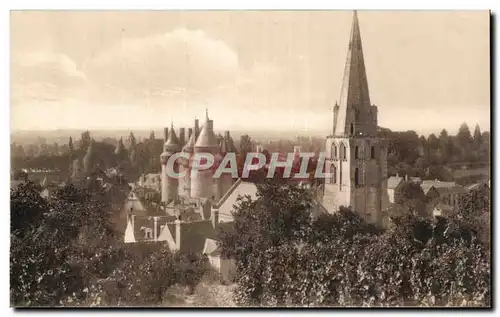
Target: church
[{"x": 356, "y": 158}]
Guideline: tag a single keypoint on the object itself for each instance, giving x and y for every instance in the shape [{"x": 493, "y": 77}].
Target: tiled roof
[
  {"x": 439, "y": 184},
  {"x": 193, "y": 235},
  {"x": 426, "y": 188},
  {"x": 142, "y": 222},
  {"x": 443, "y": 187}
]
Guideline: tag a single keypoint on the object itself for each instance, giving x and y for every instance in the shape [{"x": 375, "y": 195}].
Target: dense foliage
[
  {"x": 64, "y": 251},
  {"x": 285, "y": 257}
]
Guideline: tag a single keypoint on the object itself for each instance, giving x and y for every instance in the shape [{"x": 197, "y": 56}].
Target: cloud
[
  {"x": 179, "y": 64},
  {"x": 43, "y": 76}
]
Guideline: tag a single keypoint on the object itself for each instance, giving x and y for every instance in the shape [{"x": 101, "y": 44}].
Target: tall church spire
[{"x": 354, "y": 109}]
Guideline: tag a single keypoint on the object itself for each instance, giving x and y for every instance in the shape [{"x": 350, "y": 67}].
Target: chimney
[
  {"x": 178, "y": 224},
  {"x": 215, "y": 217},
  {"x": 210, "y": 125},
  {"x": 190, "y": 132},
  {"x": 165, "y": 134},
  {"x": 259, "y": 148},
  {"x": 406, "y": 177},
  {"x": 397, "y": 174},
  {"x": 155, "y": 233},
  {"x": 227, "y": 135},
  {"x": 196, "y": 128},
  {"x": 182, "y": 136}
]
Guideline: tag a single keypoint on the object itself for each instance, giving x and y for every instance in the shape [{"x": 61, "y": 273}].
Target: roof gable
[{"x": 394, "y": 181}]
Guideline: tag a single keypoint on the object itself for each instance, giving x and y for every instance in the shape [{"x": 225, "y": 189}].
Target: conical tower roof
[
  {"x": 227, "y": 144},
  {"x": 189, "y": 147},
  {"x": 354, "y": 95},
  {"x": 172, "y": 143},
  {"x": 207, "y": 138}
]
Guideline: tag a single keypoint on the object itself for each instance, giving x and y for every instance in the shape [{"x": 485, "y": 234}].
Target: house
[
  {"x": 187, "y": 224},
  {"x": 393, "y": 185},
  {"x": 226, "y": 268},
  {"x": 448, "y": 193},
  {"x": 142, "y": 201},
  {"x": 152, "y": 181}
]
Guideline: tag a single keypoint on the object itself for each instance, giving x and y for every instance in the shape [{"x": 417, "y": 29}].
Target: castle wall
[
  {"x": 202, "y": 184},
  {"x": 164, "y": 184}
]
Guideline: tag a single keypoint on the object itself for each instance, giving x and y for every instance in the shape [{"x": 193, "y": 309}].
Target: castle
[
  {"x": 199, "y": 184},
  {"x": 356, "y": 157}
]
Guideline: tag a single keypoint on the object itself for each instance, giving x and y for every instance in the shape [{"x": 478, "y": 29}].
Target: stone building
[
  {"x": 196, "y": 184},
  {"x": 356, "y": 157}
]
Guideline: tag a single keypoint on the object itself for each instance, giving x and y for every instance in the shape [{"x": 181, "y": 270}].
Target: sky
[{"x": 260, "y": 70}]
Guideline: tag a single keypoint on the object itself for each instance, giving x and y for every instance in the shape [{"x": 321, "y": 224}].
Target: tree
[
  {"x": 339, "y": 260},
  {"x": 85, "y": 141},
  {"x": 60, "y": 244},
  {"x": 464, "y": 137},
  {"x": 120, "y": 152},
  {"x": 88, "y": 160},
  {"x": 133, "y": 157},
  {"x": 477, "y": 137},
  {"x": 76, "y": 169},
  {"x": 433, "y": 142},
  {"x": 133, "y": 141},
  {"x": 245, "y": 144}
]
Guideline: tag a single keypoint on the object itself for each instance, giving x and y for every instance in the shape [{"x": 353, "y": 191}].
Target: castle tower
[
  {"x": 202, "y": 182},
  {"x": 225, "y": 181},
  {"x": 185, "y": 182},
  {"x": 356, "y": 156},
  {"x": 169, "y": 184}
]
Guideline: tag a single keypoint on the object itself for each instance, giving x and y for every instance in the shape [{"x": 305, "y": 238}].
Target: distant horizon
[{"x": 318, "y": 132}]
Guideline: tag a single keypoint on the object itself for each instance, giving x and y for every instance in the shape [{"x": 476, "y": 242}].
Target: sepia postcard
[{"x": 250, "y": 159}]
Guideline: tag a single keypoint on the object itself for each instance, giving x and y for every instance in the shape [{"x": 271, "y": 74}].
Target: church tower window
[
  {"x": 333, "y": 180},
  {"x": 356, "y": 177},
  {"x": 335, "y": 154},
  {"x": 352, "y": 129},
  {"x": 372, "y": 154},
  {"x": 356, "y": 152},
  {"x": 343, "y": 152}
]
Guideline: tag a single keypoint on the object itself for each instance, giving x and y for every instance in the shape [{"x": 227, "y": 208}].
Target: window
[
  {"x": 356, "y": 152},
  {"x": 343, "y": 153},
  {"x": 356, "y": 177},
  {"x": 372, "y": 154},
  {"x": 352, "y": 128},
  {"x": 335, "y": 151},
  {"x": 333, "y": 180}
]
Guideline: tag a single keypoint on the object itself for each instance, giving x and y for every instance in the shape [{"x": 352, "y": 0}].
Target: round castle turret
[
  {"x": 202, "y": 182},
  {"x": 186, "y": 163},
  {"x": 169, "y": 184}
]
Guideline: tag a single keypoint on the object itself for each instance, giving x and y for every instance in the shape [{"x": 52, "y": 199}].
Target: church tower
[{"x": 356, "y": 157}]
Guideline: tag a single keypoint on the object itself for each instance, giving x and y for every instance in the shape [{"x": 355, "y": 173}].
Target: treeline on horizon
[{"x": 408, "y": 153}]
